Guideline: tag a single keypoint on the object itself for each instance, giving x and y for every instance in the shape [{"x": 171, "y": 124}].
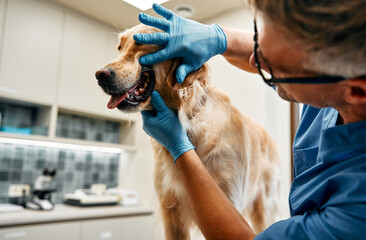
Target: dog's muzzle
[{"x": 126, "y": 98}]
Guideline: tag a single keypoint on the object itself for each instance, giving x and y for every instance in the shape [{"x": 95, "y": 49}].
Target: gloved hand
[
  {"x": 165, "y": 127},
  {"x": 196, "y": 43}
]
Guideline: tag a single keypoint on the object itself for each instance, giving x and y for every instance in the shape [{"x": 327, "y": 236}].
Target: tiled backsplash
[
  {"x": 86, "y": 128},
  {"x": 22, "y": 164}
]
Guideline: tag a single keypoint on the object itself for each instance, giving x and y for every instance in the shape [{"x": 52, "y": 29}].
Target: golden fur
[{"x": 238, "y": 153}]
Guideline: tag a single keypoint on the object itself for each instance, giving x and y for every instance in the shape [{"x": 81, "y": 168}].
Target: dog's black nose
[{"x": 105, "y": 74}]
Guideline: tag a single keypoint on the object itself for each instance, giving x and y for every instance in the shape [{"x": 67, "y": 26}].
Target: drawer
[
  {"x": 124, "y": 228},
  {"x": 54, "y": 231}
]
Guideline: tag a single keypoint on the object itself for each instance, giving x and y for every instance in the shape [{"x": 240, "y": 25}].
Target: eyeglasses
[{"x": 272, "y": 81}]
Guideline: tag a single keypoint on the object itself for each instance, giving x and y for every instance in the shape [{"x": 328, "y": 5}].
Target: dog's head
[{"x": 130, "y": 84}]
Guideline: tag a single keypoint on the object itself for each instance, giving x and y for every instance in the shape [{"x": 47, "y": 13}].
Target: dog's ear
[
  {"x": 171, "y": 76},
  {"x": 199, "y": 75}
]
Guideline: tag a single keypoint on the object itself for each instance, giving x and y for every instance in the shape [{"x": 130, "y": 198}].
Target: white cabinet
[
  {"x": 31, "y": 50},
  {"x": 112, "y": 44},
  {"x": 119, "y": 228},
  {"x": 128, "y": 228},
  {"x": 137, "y": 228},
  {"x": 54, "y": 231},
  {"x": 48, "y": 57},
  {"x": 87, "y": 46},
  {"x": 101, "y": 229},
  {"x": 84, "y": 52},
  {"x": 111, "y": 54},
  {"x": 2, "y": 17}
]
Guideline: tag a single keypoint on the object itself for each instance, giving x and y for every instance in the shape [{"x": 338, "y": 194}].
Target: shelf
[
  {"x": 21, "y": 119},
  {"x": 97, "y": 114},
  {"x": 131, "y": 148},
  {"x": 26, "y": 137},
  {"x": 71, "y": 143},
  {"x": 18, "y": 117}
]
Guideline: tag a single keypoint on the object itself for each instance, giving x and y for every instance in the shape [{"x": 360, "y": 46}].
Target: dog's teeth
[
  {"x": 128, "y": 95},
  {"x": 136, "y": 92},
  {"x": 141, "y": 90}
]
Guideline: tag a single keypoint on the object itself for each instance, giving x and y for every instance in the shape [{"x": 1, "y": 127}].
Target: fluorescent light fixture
[
  {"x": 60, "y": 145},
  {"x": 144, "y": 4}
]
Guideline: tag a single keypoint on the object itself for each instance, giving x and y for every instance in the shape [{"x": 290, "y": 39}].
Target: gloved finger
[
  {"x": 183, "y": 70},
  {"x": 158, "y": 102},
  {"x": 159, "y": 56},
  {"x": 162, "y": 11},
  {"x": 151, "y": 38},
  {"x": 160, "y": 23}
]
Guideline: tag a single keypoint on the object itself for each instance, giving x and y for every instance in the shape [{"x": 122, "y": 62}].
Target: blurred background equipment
[
  {"x": 95, "y": 196},
  {"x": 41, "y": 199}
]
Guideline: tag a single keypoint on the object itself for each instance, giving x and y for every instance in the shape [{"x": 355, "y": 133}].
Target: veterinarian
[{"x": 315, "y": 53}]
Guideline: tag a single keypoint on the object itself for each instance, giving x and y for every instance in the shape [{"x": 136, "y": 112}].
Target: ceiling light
[
  {"x": 185, "y": 11},
  {"x": 144, "y": 4}
]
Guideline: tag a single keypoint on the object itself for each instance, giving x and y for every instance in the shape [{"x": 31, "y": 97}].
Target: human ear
[{"x": 356, "y": 91}]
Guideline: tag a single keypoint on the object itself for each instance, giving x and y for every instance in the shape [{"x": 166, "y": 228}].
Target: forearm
[
  {"x": 214, "y": 213},
  {"x": 239, "y": 48}
]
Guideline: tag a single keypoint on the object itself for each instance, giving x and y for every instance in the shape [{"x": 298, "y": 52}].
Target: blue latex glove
[
  {"x": 196, "y": 43},
  {"x": 164, "y": 126}
]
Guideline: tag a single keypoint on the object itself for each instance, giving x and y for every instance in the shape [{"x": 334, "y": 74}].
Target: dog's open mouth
[{"x": 138, "y": 93}]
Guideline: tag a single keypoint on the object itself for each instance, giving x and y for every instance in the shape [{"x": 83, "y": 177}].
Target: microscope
[{"x": 41, "y": 199}]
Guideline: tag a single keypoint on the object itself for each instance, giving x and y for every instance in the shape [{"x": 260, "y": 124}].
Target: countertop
[{"x": 63, "y": 213}]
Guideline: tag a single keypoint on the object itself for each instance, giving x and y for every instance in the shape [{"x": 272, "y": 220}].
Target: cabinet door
[
  {"x": 84, "y": 52},
  {"x": 112, "y": 44},
  {"x": 103, "y": 229},
  {"x": 111, "y": 54},
  {"x": 126, "y": 228},
  {"x": 136, "y": 228},
  {"x": 2, "y": 17},
  {"x": 54, "y": 231},
  {"x": 31, "y": 50}
]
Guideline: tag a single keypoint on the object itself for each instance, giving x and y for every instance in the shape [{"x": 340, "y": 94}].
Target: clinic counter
[{"x": 62, "y": 213}]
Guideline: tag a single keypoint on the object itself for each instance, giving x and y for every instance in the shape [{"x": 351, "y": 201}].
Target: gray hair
[{"x": 333, "y": 31}]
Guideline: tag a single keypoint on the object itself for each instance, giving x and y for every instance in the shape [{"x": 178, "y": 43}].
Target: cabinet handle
[
  {"x": 106, "y": 235},
  {"x": 13, "y": 235}
]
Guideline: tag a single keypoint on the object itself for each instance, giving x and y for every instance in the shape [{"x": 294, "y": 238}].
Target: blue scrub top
[{"x": 328, "y": 194}]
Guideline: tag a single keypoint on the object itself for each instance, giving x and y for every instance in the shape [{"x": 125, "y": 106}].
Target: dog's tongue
[{"x": 115, "y": 100}]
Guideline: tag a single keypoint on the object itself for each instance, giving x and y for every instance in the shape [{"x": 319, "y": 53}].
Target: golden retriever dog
[{"x": 238, "y": 153}]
